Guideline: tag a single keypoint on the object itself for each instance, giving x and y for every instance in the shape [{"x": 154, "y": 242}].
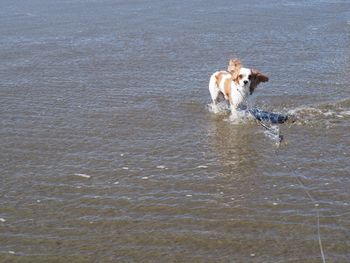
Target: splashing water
[
  {"x": 273, "y": 133},
  {"x": 220, "y": 108},
  {"x": 326, "y": 115},
  {"x": 244, "y": 116}
]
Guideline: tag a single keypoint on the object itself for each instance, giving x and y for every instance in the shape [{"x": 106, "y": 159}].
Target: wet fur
[{"x": 235, "y": 84}]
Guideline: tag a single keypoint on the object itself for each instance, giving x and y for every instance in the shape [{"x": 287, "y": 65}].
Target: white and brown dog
[{"x": 235, "y": 84}]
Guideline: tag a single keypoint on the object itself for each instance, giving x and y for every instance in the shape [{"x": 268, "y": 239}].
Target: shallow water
[{"x": 110, "y": 154}]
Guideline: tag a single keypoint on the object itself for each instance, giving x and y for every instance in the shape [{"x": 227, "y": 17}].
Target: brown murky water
[{"x": 117, "y": 90}]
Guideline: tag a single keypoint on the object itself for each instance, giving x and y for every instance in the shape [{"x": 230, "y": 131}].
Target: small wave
[
  {"x": 274, "y": 133},
  {"x": 343, "y": 103},
  {"x": 241, "y": 116},
  {"x": 328, "y": 114},
  {"x": 220, "y": 108},
  {"x": 345, "y": 113},
  {"x": 320, "y": 113}
]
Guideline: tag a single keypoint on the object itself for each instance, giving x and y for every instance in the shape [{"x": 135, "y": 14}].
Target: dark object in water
[{"x": 261, "y": 115}]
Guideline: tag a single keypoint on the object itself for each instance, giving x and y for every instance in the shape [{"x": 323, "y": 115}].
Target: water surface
[{"x": 118, "y": 91}]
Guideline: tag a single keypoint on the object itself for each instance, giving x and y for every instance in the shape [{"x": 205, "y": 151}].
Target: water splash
[
  {"x": 322, "y": 113},
  {"x": 326, "y": 115},
  {"x": 244, "y": 116},
  {"x": 220, "y": 108},
  {"x": 273, "y": 133},
  {"x": 241, "y": 116}
]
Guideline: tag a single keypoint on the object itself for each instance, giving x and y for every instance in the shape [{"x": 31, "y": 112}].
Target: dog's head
[{"x": 246, "y": 78}]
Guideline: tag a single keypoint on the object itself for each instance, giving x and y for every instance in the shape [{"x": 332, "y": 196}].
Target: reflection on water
[{"x": 109, "y": 152}]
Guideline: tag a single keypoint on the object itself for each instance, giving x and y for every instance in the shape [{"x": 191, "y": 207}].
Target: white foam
[
  {"x": 347, "y": 113},
  {"x": 240, "y": 116},
  {"x": 83, "y": 175},
  {"x": 304, "y": 109},
  {"x": 328, "y": 113},
  {"x": 273, "y": 133},
  {"x": 219, "y": 108},
  {"x": 308, "y": 112}
]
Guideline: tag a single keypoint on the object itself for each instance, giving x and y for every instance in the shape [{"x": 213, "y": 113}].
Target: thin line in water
[{"x": 312, "y": 200}]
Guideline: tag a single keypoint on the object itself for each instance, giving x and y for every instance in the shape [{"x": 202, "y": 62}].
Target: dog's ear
[
  {"x": 257, "y": 78},
  {"x": 234, "y": 67}
]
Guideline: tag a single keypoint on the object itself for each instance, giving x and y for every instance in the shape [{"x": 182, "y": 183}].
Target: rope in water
[
  {"x": 304, "y": 188},
  {"x": 299, "y": 181}
]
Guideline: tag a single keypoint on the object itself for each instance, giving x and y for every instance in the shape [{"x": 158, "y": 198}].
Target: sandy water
[{"x": 110, "y": 154}]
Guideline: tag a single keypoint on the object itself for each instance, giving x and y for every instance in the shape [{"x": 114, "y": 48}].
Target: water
[{"x": 118, "y": 91}]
